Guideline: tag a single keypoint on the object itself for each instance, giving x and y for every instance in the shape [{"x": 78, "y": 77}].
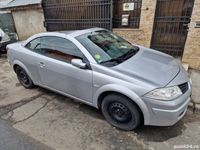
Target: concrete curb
[
  {"x": 197, "y": 106},
  {"x": 195, "y": 77},
  {"x": 194, "y": 106}
]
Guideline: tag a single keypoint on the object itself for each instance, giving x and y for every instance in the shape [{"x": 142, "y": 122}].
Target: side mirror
[{"x": 79, "y": 63}]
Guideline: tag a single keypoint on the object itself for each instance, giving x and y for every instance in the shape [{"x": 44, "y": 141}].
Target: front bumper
[{"x": 167, "y": 113}]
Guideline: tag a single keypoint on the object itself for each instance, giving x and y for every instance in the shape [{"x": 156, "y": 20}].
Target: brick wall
[{"x": 192, "y": 47}]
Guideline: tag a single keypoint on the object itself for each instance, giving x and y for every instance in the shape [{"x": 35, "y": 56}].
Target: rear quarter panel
[{"x": 18, "y": 55}]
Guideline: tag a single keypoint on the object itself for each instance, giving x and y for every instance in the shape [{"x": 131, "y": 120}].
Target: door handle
[{"x": 42, "y": 65}]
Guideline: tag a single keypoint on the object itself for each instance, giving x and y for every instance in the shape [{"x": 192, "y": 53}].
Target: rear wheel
[
  {"x": 23, "y": 78},
  {"x": 120, "y": 112}
]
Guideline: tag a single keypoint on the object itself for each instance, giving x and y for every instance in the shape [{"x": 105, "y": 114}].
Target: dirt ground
[{"x": 62, "y": 123}]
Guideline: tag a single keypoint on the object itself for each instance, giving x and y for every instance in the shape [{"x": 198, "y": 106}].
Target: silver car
[{"x": 130, "y": 84}]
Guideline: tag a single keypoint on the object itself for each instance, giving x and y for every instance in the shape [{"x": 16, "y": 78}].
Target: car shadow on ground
[
  {"x": 83, "y": 108},
  {"x": 146, "y": 133},
  {"x": 160, "y": 134}
]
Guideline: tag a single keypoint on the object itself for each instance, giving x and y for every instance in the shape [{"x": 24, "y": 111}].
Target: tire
[
  {"x": 23, "y": 78},
  {"x": 120, "y": 112}
]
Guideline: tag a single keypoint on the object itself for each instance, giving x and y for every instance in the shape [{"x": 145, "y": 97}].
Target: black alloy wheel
[
  {"x": 23, "y": 78},
  {"x": 121, "y": 112}
]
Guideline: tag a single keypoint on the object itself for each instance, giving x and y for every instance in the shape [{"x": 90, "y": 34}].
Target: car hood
[{"x": 151, "y": 67}]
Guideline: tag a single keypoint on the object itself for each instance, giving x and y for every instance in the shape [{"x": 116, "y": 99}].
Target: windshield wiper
[
  {"x": 128, "y": 55},
  {"x": 110, "y": 61},
  {"x": 124, "y": 57}
]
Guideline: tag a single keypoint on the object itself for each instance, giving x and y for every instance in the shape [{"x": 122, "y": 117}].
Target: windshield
[{"x": 107, "y": 48}]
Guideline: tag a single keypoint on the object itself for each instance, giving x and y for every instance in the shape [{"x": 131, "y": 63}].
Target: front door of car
[{"x": 57, "y": 72}]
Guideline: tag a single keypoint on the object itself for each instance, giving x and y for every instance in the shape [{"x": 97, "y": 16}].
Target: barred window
[{"x": 126, "y": 13}]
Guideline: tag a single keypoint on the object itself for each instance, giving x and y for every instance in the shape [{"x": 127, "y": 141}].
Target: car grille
[{"x": 184, "y": 87}]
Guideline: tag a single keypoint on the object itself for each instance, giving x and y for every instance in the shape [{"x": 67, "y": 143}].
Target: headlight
[{"x": 168, "y": 93}]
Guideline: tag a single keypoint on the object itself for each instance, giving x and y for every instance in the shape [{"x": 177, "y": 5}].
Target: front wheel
[
  {"x": 23, "y": 78},
  {"x": 120, "y": 112}
]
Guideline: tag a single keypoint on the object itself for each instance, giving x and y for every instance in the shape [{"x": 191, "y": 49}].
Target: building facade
[
  {"x": 192, "y": 48},
  {"x": 27, "y": 15},
  {"x": 168, "y": 26}
]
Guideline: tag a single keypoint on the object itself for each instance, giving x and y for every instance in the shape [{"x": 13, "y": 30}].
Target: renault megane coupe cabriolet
[{"x": 130, "y": 84}]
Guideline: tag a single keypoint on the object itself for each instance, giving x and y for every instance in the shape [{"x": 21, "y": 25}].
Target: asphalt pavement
[
  {"x": 12, "y": 139},
  {"x": 37, "y": 119}
]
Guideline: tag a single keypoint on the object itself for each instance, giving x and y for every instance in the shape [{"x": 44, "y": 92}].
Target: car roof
[
  {"x": 85, "y": 31},
  {"x": 73, "y": 33}
]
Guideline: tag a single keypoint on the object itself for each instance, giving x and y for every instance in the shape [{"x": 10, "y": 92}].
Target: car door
[{"x": 57, "y": 72}]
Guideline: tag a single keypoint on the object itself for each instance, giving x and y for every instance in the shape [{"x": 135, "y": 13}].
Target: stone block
[{"x": 195, "y": 76}]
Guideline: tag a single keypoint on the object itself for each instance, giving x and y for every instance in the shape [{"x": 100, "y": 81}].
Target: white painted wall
[{"x": 28, "y": 22}]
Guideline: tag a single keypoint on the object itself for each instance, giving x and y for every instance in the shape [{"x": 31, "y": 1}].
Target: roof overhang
[
  {"x": 22, "y": 4},
  {"x": 33, "y": 6}
]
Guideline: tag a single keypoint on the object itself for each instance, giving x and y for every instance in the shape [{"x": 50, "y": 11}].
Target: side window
[
  {"x": 60, "y": 49},
  {"x": 34, "y": 45}
]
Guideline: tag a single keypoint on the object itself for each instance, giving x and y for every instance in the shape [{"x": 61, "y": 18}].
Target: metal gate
[
  {"x": 171, "y": 26},
  {"x": 77, "y": 14}
]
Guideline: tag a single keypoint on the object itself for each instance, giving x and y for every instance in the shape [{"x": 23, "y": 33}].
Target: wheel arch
[
  {"x": 116, "y": 89},
  {"x": 17, "y": 63}
]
